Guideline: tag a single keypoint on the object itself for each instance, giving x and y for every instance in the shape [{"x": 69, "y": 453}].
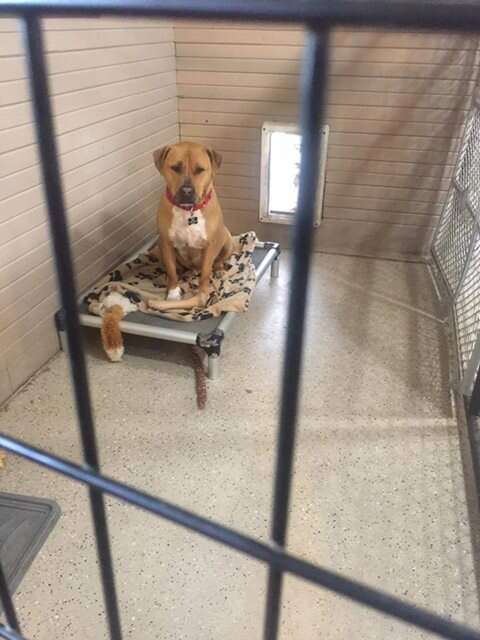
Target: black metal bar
[
  {"x": 7, "y": 602},
  {"x": 271, "y": 555},
  {"x": 8, "y": 634},
  {"x": 314, "y": 81},
  {"x": 474, "y": 406},
  {"x": 64, "y": 267},
  {"x": 402, "y": 14}
]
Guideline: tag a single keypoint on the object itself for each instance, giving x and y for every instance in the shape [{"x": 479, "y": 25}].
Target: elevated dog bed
[
  {"x": 144, "y": 278},
  {"x": 141, "y": 276},
  {"x": 25, "y": 523}
]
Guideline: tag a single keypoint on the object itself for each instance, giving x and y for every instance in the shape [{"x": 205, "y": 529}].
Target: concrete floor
[{"x": 378, "y": 489}]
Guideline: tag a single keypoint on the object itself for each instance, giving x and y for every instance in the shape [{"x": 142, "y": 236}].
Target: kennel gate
[
  {"x": 319, "y": 16},
  {"x": 456, "y": 256}
]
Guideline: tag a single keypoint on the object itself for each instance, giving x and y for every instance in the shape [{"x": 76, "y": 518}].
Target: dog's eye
[
  {"x": 198, "y": 170},
  {"x": 177, "y": 167}
]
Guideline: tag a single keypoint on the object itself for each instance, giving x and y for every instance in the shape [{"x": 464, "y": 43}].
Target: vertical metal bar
[
  {"x": 9, "y": 634},
  {"x": 471, "y": 370},
  {"x": 474, "y": 406},
  {"x": 314, "y": 79},
  {"x": 7, "y": 602},
  {"x": 63, "y": 260}
]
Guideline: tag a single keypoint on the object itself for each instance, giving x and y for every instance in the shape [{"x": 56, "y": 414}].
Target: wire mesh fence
[{"x": 456, "y": 251}]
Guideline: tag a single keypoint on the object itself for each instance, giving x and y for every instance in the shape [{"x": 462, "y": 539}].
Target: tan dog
[
  {"x": 192, "y": 233},
  {"x": 190, "y": 220}
]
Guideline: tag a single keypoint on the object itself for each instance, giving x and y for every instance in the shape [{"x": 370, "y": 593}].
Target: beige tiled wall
[
  {"x": 114, "y": 95},
  {"x": 395, "y": 108}
]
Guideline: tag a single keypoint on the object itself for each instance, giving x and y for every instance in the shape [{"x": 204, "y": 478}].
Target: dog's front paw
[{"x": 174, "y": 294}]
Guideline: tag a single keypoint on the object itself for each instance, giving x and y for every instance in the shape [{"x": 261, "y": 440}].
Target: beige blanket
[{"x": 144, "y": 278}]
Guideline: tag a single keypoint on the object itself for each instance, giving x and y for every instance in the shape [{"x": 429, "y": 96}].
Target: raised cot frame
[{"x": 210, "y": 341}]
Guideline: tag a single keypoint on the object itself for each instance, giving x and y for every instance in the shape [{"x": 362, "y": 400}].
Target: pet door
[{"x": 280, "y": 172}]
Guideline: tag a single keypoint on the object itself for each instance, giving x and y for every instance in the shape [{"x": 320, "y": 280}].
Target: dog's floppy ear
[
  {"x": 159, "y": 157},
  {"x": 215, "y": 159}
]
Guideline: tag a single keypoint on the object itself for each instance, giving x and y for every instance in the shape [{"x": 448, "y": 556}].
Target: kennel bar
[
  {"x": 208, "y": 334},
  {"x": 318, "y": 16},
  {"x": 475, "y": 399},
  {"x": 400, "y": 14}
]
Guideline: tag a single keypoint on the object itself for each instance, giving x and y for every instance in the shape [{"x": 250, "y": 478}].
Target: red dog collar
[{"x": 189, "y": 208}]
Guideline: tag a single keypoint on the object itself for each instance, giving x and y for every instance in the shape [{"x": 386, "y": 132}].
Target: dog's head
[{"x": 188, "y": 169}]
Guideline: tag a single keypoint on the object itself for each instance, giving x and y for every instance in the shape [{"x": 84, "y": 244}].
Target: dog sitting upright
[
  {"x": 190, "y": 220},
  {"x": 192, "y": 234}
]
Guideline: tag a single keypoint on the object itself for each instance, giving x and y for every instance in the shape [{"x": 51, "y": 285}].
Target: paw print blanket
[{"x": 144, "y": 278}]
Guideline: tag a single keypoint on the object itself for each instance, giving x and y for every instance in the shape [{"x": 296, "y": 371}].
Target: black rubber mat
[{"x": 25, "y": 523}]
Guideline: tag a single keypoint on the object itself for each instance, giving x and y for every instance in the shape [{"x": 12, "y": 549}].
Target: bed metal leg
[
  {"x": 60, "y": 326},
  {"x": 211, "y": 343},
  {"x": 213, "y": 366},
  {"x": 62, "y": 338},
  {"x": 275, "y": 268}
]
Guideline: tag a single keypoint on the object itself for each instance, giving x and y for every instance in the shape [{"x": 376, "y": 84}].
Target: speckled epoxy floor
[{"x": 378, "y": 489}]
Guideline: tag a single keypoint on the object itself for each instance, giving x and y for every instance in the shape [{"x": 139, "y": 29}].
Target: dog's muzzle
[{"x": 185, "y": 195}]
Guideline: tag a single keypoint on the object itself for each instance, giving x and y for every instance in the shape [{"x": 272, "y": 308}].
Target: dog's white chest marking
[{"x": 188, "y": 231}]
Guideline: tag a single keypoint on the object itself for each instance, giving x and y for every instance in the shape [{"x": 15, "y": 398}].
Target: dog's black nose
[{"x": 186, "y": 190}]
